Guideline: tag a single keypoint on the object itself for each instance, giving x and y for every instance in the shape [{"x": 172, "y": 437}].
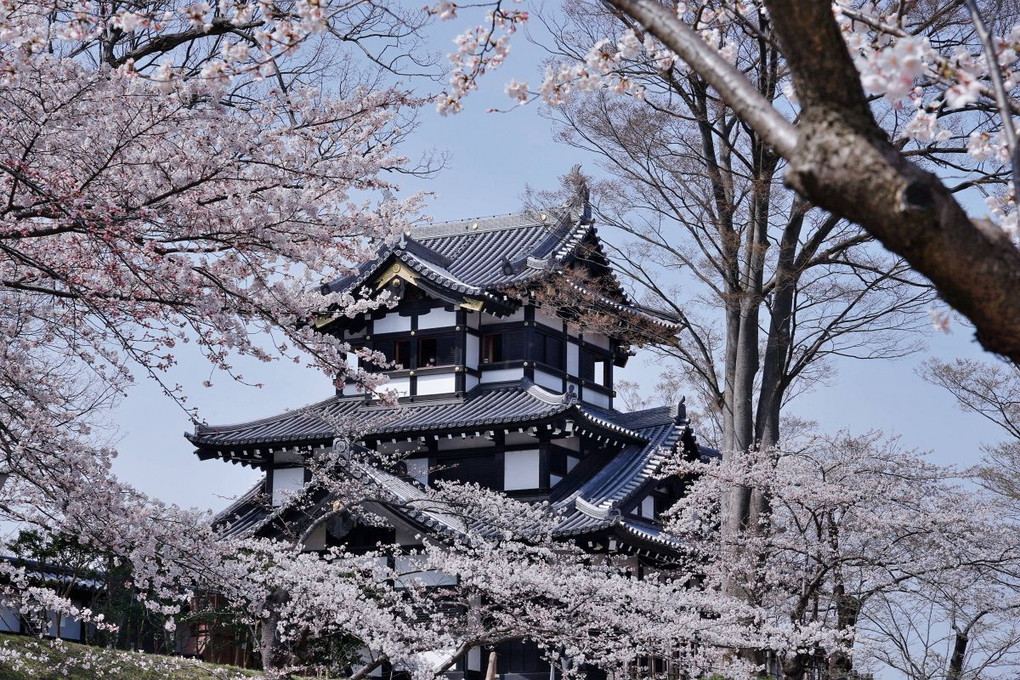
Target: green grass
[{"x": 29, "y": 658}]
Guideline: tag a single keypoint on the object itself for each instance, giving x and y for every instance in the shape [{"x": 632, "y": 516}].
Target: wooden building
[{"x": 505, "y": 339}]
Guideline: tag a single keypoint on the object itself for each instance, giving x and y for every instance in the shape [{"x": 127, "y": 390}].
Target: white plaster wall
[
  {"x": 391, "y": 323},
  {"x": 404, "y": 537},
  {"x": 442, "y": 383},
  {"x": 470, "y": 382},
  {"x": 286, "y": 481},
  {"x": 402, "y": 446},
  {"x": 402, "y": 386},
  {"x": 418, "y": 468},
  {"x": 472, "y": 319},
  {"x": 596, "y": 339},
  {"x": 593, "y": 397},
  {"x": 471, "y": 351},
  {"x": 437, "y": 318},
  {"x": 520, "y": 470},
  {"x": 317, "y": 541},
  {"x": 502, "y": 375},
  {"x": 287, "y": 458},
  {"x": 70, "y": 628},
  {"x": 517, "y": 438},
  {"x": 648, "y": 507},
  {"x": 548, "y": 381},
  {"x": 352, "y": 389},
  {"x": 573, "y": 358}
]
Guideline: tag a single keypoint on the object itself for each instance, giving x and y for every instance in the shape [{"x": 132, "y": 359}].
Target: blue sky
[{"x": 492, "y": 156}]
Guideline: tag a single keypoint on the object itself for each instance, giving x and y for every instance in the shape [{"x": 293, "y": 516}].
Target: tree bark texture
[
  {"x": 840, "y": 160},
  {"x": 275, "y": 655}
]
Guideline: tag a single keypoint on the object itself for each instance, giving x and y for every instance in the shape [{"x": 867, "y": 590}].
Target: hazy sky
[{"x": 492, "y": 157}]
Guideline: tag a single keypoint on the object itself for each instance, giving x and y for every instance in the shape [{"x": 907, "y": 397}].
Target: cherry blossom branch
[
  {"x": 999, "y": 90},
  {"x": 740, "y": 95}
]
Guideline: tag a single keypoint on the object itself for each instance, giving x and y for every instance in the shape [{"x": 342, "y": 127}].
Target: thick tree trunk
[
  {"x": 955, "y": 671},
  {"x": 848, "y": 610},
  {"x": 275, "y": 656}
]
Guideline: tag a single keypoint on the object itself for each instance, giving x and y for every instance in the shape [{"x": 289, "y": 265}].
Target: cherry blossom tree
[
  {"x": 176, "y": 173},
  {"x": 488, "y": 573},
  {"x": 841, "y": 61},
  {"x": 857, "y": 526}
]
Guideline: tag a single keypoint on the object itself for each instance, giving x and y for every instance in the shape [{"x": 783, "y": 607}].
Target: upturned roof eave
[{"x": 546, "y": 408}]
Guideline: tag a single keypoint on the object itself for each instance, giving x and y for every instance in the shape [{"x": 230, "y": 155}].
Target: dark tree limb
[{"x": 841, "y": 160}]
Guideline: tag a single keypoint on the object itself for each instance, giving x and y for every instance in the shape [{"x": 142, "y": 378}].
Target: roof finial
[
  {"x": 680, "y": 411},
  {"x": 582, "y": 195}
]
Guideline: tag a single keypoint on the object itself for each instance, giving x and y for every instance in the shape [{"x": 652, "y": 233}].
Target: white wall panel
[
  {"x": 412, "y": 570},
  {"x": 548, "y": 318},
  {"x": 520, "y": 470},
  {"x": 9, "y": 621},
  {"x": 548, "y": 381},
  {"x": 593, "y": 397},
  {"x": 471, "y": 352},
  {"x": 317, "y": 541},
  {"x": 391, "y": 323},
  {"x": 573, "y": 360},
  {"x": 437, "y": 318},
  {"x": 418, "y": 468},
  {"x": 443, "y": 383},
  {"x": 572, "y": 443},
  {"x": 286, "y": 482},
  {"x": 489, "y": 319},
  {"x": 459, "y": 444},
  {"x": 502, "y": 375},
  {"x": 404, "y": 537},
  {"x": 402, "y": 386},
  {"x": 352, "y": 389}
]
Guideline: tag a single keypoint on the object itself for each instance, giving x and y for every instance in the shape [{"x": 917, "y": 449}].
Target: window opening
[
  {"x": 595, "y": 369},
  {"x": 549, "y": 351},
  {"x": 492, "y": 348},
  {"x": 508, "y": 346},
  {"x": 402, "y": 354},
  {"x": 428, "y": 352}
]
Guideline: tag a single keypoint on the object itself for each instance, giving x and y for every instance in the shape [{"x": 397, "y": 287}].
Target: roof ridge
[
  {"x": 474, "y": 225},
  {"x": 307, "y": 408}
]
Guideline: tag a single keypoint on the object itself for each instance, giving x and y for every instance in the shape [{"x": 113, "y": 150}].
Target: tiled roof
[
  {"x": 481, "y": 258},
  {"x": 472, "y": 256},
  {"x": 589, "y": 505},
  {"x": 484, "y": 407}
]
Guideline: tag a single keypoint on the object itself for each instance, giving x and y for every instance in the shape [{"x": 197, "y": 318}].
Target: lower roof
[
  {"x": 591, "y": 501},
  {"x": 485, "y": 408}
]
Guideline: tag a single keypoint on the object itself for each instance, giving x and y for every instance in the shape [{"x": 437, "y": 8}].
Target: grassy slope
[{"x": 27, "y": 658}]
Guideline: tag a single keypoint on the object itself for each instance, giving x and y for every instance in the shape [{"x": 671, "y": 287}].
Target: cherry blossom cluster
[
  {"x": 173, "y": 175},
  {"x": 934, "y": 72},
  {"x": 479, "y": 49},
  {"x": 860, "y": 521}
]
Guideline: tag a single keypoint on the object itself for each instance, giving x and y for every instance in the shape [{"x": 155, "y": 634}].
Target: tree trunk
[
  {"x": 275, "y": 656},
  {"x": 955, "y": 671}
]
